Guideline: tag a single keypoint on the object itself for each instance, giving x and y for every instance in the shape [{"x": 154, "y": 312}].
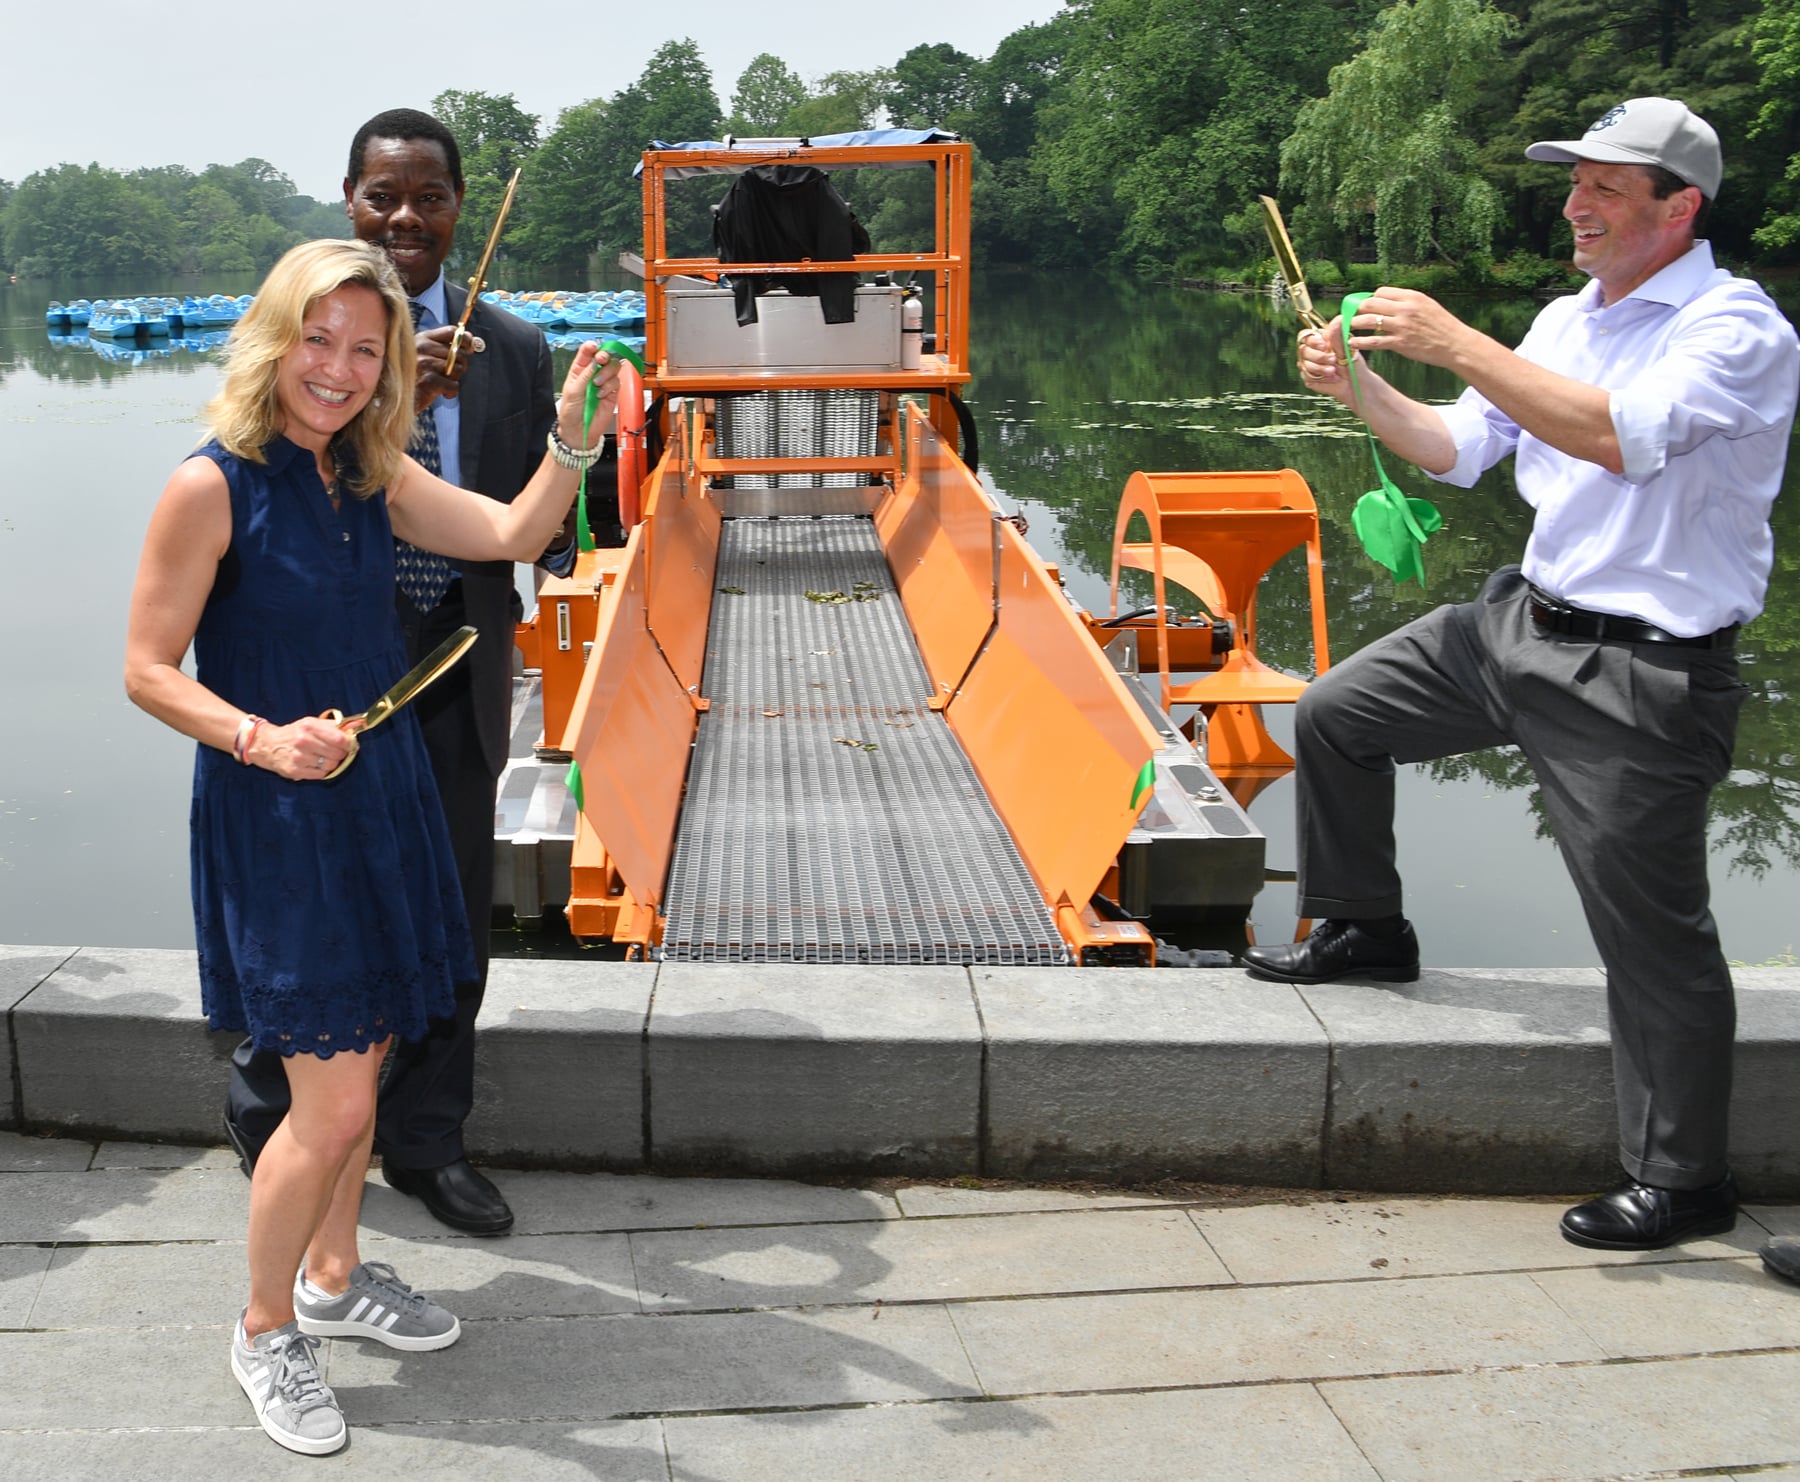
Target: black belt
[{"x": 1559, "y": 617}]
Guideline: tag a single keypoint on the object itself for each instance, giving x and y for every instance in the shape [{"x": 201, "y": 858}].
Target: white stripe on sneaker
[{"x": 362, "y": 1304}]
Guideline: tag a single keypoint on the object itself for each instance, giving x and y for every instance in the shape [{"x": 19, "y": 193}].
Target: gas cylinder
[{"x": 912, "y": 330}]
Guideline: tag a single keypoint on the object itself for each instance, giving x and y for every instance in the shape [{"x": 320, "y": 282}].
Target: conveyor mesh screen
[
  {"x": 838, "y": 423},
  {"x": 830, "y": 815}
]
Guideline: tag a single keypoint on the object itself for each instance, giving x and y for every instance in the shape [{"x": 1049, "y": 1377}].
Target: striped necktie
[{"x": 423, "y": 575}]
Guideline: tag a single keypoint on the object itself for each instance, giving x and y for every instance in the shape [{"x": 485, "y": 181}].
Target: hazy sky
[{"x": 199, "y": 82}]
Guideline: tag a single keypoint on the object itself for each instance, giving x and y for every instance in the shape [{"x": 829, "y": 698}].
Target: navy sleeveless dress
[{"x": 328, "y": 914}]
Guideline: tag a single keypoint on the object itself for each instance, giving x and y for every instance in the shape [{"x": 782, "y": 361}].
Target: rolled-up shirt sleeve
[
  {"x": 1715, "y": 380},
  {"x": 1483, "y": 435}
]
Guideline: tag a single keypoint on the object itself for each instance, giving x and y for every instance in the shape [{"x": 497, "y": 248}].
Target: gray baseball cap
[{"x": 1646, "y": 131}]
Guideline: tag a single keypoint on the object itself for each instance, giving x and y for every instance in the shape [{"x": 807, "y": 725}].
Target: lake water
[{"x": 1076, "y": 387}]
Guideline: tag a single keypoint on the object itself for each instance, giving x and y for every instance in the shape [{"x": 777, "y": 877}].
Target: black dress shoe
[
  {"x": 248, "y": 1148},
  {"x": 1782, "y": 1257},
  {"x": 1338, "y": 949},
  {"x": 1638, "y": 1216},
  {"x": 455, "y": 1194}
]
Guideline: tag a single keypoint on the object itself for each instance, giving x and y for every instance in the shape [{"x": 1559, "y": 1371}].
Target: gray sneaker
[
  {"x": 379, "y": 1305},
  {"x": 292, "y": 1402}
]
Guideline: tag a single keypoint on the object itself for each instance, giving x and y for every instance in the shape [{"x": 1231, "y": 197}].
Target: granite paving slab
[
  {"x": 925, "y": 1201},
  {"x": 22, "y": 1269},
  {"x": 88, "y": 1036},
  {"x": 566, "y": 1203},
  {"x": 1358, "y": 1238},
  {"x": 559, "y": 1069},
  {"x": 120, "y": 1204},
  {"x": 1691, "y": 1307},
  {"x": 611, "y": 1450},
  {"x": 596, "y": 1368},
  {"x": 1490, "y": 1081},
  {"x": 880, "y": 1069},
  {"x": 21, "y": 1154},
  {"x": 165, "y": 1155},
  {"x": 1275, "y": 1433},
  {"x": 180, "y": 1284},
  {"x": 924, "y": 1260},
  {"x": 175, "y": 1377},
  {"x": 521, "y": 1276},
  {"x": 1603, "y": 1421},
  {"x": 1228, "y": 1077},
  {"x": 1261, "y": 1334}
]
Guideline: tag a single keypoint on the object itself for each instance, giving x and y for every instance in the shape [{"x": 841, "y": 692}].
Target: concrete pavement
[{"x": 641, "y": 1328}]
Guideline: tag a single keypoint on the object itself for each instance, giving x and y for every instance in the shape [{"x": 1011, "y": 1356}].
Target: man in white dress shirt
[{"x": 1649, "y": 418}]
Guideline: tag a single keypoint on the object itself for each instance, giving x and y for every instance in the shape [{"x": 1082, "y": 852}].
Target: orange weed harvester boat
[{"x": 826, "y": 704}]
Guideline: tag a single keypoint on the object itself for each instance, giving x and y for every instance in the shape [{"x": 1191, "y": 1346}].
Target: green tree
[
  {"x": 1169, "y": 114},
  {"x": 570, "y": 171},
  {"x": 841, "y": 103},
  {"x": 90, "y": 221},
  {"x": 1395, "y": 139},
  {"x": 934, "y": 86},
  {"x": 216, "y": 221},
  {"x": 495, "y": 137},
  {"x": 673, "y": 100},
  {"x": 1574, "y": 59},
  {"x": 1776, "y": 49},
  {"x": 767, "y": 91},
  {"x": 1013, "y": 85}
]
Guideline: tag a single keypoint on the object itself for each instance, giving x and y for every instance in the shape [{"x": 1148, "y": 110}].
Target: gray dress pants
[{"x": 1627, "y": 741}]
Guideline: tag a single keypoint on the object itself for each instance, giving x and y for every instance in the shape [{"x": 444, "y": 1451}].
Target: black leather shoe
[
  {"x": 1638, "y": 1216},
  {"x": 1782, "y": 1257},
  {"x": 243, "y": 1144},
  {"x": 455, "y": 1194},
  {"x": 1338, "y": 949}
]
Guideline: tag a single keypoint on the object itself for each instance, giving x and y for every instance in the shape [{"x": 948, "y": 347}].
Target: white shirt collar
[{"x": 1673, "y": 285}]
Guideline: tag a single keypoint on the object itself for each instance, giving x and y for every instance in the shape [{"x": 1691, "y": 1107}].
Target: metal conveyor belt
[{"x": 831, "y": 816}]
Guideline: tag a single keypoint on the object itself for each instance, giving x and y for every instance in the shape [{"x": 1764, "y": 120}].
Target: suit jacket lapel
[{"x": 472, "y": 396}]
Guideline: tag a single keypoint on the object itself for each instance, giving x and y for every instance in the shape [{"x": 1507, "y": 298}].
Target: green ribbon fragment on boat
[
  {"x": 1391, "y": 526},
  {"x": 1146, "y": 779},
  {"x": 574, "y": 786},
  {"x": 619, "y": 350}
]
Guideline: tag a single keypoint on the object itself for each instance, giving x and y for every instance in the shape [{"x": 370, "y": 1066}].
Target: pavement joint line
[
  {"x": 983, "y": 1122},
  {"x": 647, "y": 1143}
]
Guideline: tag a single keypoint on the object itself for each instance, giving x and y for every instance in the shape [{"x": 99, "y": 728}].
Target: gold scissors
[
  {"x": 1289, "y": 264},
  {"x": 430, "y": 668}
]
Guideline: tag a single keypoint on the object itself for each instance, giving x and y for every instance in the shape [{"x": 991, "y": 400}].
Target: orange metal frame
[
  {"x": 947, "y": 263},
  {"x": 1244, "y": 522},
  {"x": 1056, "y": 739}
]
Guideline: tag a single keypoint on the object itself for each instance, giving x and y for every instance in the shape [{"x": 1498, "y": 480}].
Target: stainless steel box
[{"x": 790, "y": 334}]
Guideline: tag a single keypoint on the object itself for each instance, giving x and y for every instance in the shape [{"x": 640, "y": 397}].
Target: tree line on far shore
[{"x": 1124, "y": 133}]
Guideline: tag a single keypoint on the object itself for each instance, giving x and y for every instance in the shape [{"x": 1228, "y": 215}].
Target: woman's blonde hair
[{"x": 245, "y": 416}]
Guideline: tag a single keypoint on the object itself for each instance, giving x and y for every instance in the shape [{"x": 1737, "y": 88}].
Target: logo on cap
[{"x": 1608, "y": 119}]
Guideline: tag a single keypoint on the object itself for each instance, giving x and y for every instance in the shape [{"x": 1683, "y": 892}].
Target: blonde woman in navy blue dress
[{"x": 327, "y": 910}]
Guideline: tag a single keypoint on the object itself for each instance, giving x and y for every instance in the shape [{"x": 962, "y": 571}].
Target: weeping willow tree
[{"x": 1395, "y": 138}]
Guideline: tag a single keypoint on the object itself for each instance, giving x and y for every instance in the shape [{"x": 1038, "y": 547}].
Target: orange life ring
[{"x": 631, "y": 445}]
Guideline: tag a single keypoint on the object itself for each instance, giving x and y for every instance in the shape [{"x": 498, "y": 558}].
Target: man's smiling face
[
  {"x": 407, "y": 204},
  {"x": 1624, "y": 235}
]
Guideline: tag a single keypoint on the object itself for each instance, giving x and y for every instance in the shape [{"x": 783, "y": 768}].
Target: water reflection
[{"x": 1077, "y": 386}]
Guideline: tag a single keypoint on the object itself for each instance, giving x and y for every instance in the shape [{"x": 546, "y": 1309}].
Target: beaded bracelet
[
  {"x": 576, "y": 460},
  {"x": 246, "y": 733}
]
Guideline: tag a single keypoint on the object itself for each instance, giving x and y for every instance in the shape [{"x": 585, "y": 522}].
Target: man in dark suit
[{"x": 484, "y": 424}]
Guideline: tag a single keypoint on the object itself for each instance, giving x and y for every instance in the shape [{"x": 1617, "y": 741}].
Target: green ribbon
[
  {"x": 1146, "y": 779},
  {"x": 1391, "y": 526},
  {"x": 619, "y": 350},
  {"x": 573, "y": 782}
]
